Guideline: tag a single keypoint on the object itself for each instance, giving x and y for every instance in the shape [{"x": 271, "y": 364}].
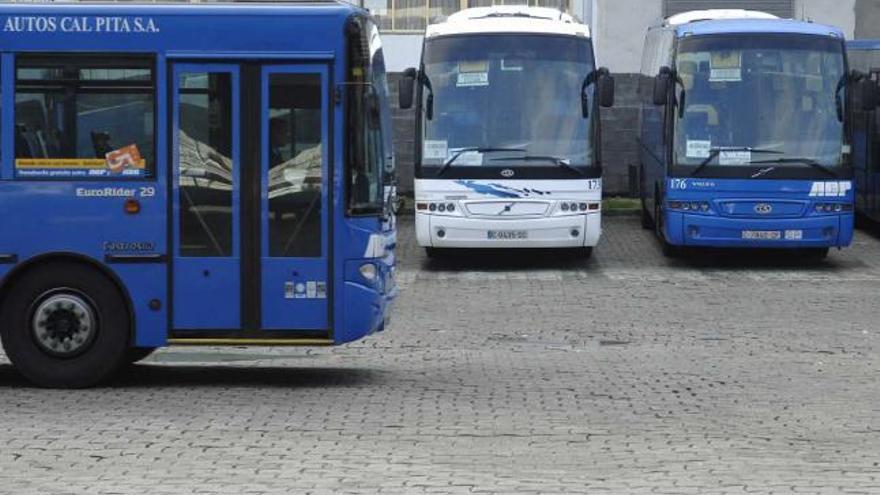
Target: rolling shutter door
[{"x": 781, "y": 8}]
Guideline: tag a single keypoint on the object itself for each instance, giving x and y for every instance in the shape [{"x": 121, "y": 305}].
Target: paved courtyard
[{"x": 537, "y": 373}]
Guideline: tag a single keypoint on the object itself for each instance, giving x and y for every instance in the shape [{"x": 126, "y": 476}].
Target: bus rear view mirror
[
  {"x": 605, "y": 88},
  {"x": 406, "y": 88},
  {"x": 661, "y": 86},
  {"x": 866, "y": 92}
]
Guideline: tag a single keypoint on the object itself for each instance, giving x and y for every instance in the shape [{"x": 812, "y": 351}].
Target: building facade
[{"x": 618, "y": 28}]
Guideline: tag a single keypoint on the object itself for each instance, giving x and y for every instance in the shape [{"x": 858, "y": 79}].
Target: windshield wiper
[
  {"x": 478, "y": 149},
  {"x": 806, "y": 161},
  {"x": 714, "y": 152},
  {"x": 562, "y": 162}
]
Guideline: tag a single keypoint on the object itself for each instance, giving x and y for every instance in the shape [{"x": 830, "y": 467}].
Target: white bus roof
[
  {"x": 509, "y": 19},
  {"x": 716, "y": 14}
]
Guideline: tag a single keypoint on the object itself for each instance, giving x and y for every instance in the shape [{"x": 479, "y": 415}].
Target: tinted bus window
[
  {"x": 84, "y": 117},
  {"x": 295, "y": 165},
  {"x": 206, "y": 166}
]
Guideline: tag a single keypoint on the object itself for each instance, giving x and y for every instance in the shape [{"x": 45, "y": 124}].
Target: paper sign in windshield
[
  {"x": 699, "y": 149},
  {"x": 472, "y": 79},
  {"x": 726, "y": 67},
  {"x": 735, "y": 157},
  {"x": 126, "y": 162},
  {"x": 468, "y": 158},
  {"x": 435, "y": 150}
]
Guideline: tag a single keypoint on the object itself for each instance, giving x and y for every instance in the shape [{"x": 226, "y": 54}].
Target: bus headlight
[{"x": 696, "y": 206}]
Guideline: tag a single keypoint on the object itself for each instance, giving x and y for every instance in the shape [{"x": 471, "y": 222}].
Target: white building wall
[{"x": 620, "y": 27}]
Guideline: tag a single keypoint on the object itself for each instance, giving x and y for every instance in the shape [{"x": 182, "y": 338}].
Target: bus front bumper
[
  {"x": 545, "y": 232},
  {"x": 684, "y": 229}
]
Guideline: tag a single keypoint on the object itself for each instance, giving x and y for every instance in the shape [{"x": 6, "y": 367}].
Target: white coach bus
[{"x": 507, "y": 131}]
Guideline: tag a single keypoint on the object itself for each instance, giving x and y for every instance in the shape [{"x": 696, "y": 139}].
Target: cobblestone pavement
[{"x": 536, "y": 373}]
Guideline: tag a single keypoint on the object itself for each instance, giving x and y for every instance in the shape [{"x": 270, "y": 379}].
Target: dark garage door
[{"x": 782, "y": 8}]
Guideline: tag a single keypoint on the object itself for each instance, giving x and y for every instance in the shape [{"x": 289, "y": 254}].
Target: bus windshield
[
  {"x": 508, "y": 101},
  {"x": 762, "y": 102}
]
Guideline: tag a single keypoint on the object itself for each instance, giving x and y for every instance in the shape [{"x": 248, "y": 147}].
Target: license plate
[
  {"x": 762, "y": 235},
  {"x": 794, "y": 235},
  {"x": 508, "y": 234}
]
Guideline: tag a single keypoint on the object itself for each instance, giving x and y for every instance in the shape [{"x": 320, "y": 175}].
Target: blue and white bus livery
[
  {"x": 507, "y": 131},
  {"x": 743, "y": 139}
]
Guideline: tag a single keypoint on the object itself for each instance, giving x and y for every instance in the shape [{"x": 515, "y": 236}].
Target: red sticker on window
[{"x": 127, "y": 158}]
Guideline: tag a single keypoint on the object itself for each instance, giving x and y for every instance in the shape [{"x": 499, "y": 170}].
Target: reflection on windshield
[
  {"x": 519, "y": 92},
  {"x": 773, "y": 93}
]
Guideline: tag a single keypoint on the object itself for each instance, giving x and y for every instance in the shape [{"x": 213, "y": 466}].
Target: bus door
[{"x": 251, "y": 182}]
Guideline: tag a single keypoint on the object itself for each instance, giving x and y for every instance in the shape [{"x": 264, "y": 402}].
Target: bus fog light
[
  {"x": 575, "y": 232},
  {"x": 441, "y": 233},
  {"x": 368, "y": 271}
]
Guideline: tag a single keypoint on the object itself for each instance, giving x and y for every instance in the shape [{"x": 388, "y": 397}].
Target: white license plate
[
  {"x": 762, "y": 235},
  {"x": 794, "y": 235},
  {"x": 508, "y": 234}
]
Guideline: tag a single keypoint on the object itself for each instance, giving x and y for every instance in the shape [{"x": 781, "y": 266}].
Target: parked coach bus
[
  {"x": 744, "y": 137},
  {"x": 189, "y": 174},
  {"x": 507, "y": 131},
  {"x": 864, "y": 56}
]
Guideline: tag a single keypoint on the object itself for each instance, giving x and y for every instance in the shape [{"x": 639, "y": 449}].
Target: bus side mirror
[
  {"x": 605, "y": 88},
  {"x": 406, "y": 88},
  {"x": 661, "y": 86},
  {"x": 866, "y": 92}
]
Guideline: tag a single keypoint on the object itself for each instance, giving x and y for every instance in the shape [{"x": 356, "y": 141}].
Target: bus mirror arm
[{"x": 604, "y": 90}]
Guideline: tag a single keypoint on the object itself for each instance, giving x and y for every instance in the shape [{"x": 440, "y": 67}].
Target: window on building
[
  {"x": 415, "y": 15},
  {"x": 781, "y": 8}
]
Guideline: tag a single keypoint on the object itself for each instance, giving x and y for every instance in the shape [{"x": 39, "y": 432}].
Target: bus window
[
  {"x": 366, "y": 93},
  {"x": 206, "y": 166},
  {"x": 295, "y": 165},
  {"x": 84, "y": 117}
]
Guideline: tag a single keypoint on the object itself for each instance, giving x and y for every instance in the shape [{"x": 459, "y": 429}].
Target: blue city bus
[
  {"x": 864, "y": 56},
  {"x": 214, "y": 174},
  {"x": 744, "y": 137}
]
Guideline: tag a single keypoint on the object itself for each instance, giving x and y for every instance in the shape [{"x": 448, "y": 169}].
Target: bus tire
[
  {"x": 65, "y": 325},
  {"x": 135, "y": 354}
]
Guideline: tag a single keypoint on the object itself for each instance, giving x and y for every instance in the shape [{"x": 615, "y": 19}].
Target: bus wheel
[
  {"x": 65, "y": 325},
  {"x": 135, "y": 354}
]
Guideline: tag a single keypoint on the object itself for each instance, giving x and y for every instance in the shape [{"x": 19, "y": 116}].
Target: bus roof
[
  {"x": 722, "y": 21},
  {"x": 509, "y": 19},
  {"x": 864, "y": 44}
]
